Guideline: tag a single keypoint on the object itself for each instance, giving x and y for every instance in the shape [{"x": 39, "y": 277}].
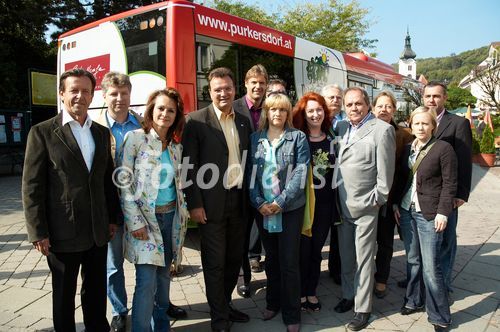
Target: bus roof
[{"x": 364, "y": 64}]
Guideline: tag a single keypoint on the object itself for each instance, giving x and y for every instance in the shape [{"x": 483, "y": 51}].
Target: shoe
[
  {"x": 304, "y": 305},
  {"x": 405, "y": 311},
  {"x": 269, "y": 314},
  {"x": 221, "y": 330},
  {"x": 316, "y": 307},
  {"x": 359, "y": 322},
  {"x": 293, "y": 327},
  {"x": 344, "y": 306},
  {"x": 255, "y": 266},
  {"x": 119, "y": 323},
  {"x": 439, "y": 328},
  {"x": 238, "y": 316},
  {"x": 402, "y": 283},
  {"x": 380, "y": 294},
  {"x": 176, "y": 312},
  {"x": 243, "y": 290}
]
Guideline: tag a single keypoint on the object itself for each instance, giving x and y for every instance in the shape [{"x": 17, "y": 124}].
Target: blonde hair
[
  {"x": 276, "y": 101},
  {"x": 425, "y": 109}
]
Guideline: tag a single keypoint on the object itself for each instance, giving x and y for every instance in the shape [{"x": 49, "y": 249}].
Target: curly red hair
[{"x": 299, "y": 112}]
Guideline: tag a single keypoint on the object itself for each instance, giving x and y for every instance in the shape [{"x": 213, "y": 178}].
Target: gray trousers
[{"x": 357, "y": 239}]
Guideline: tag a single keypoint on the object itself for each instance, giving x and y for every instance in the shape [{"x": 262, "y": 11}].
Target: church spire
[{"x": 408, "y": 52}]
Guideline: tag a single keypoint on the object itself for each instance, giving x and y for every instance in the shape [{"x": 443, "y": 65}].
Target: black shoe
[
  {"x": 255, "y": 266},
  {"x": 119, "y": 323},
  {"x": 405, "y": 311},
  {"x": 344, "y": 306},
  {"x": 402, "y": 283},
  {"x": 238, "y": 316},
  {"x": 243, "y": 290},
  {"x": 439, "y": 328},
  {"x": 359, "y": 322},
  {"x": 380, "y": 294},
  {"x": 176, "y": 312}
]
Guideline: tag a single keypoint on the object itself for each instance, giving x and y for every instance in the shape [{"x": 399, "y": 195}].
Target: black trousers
[
  {"x": 310, "y": 250},
  {"x": 221, "y": 243},
  {"x": 255, "y": 243},
  {"x": 249, "y": 245},
  {"x": 64, "y": 268},
  {"x": 283, "y": 265},
  {"x": 385, "y": 244},
  {"x": 334, "y": 253}
]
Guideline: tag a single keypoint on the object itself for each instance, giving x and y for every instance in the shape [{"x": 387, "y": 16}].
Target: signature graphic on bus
[{"x": 98, "y": 66}]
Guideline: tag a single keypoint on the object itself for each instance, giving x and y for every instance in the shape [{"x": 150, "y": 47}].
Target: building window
[{"x": 409, "y": 67}]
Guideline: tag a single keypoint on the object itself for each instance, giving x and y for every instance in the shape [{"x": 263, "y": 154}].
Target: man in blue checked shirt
[{"x": 116, "y": 89}]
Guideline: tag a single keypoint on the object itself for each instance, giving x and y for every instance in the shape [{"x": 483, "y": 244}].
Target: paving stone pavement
[{"x": 25, "y": 284}]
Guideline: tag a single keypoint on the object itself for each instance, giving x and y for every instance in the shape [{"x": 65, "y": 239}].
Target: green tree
[
  {"x": 458, "y": 97},
  {"x": 240, "y": 9},
  {"x": 22, "y": 46},
  {"x": 332, "y": 23}
]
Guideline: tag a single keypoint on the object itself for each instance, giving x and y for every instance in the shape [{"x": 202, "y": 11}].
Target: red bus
[{"x": 176, "y": 43}]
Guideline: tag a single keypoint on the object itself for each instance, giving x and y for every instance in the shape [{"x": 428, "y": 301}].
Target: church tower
[{"x": 407, "y": 63}]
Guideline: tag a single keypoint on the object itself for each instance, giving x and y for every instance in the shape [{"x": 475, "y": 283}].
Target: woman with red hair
[{"x": 311, "y": 116}]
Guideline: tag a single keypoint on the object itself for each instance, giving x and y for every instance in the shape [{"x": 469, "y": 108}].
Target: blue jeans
[
  {"x": 449, "y": 248},
  {"x": 117, "y": 294},
  {"x": 425, "y": 278},
  {"x": 152, "y": 286}
]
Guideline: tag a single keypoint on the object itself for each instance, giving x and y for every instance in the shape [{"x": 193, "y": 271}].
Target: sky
[{"x": 437, "y": 27}]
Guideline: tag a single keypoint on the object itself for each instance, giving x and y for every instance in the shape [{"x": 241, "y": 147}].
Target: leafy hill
[{"x": 450, "y": 68}]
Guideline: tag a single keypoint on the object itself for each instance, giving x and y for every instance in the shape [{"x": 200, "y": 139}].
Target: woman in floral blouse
[
  {"x": 153, "y": 206},
  {"x": 310, "y": 116}
]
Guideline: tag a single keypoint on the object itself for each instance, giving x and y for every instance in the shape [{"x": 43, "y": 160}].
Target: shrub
[
  {"x": 488, "y": 141},
  {"x": 475, "y": 143}
]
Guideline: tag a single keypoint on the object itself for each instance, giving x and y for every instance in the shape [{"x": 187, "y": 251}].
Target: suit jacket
[
  {"x": 436, "y": 180},
  {"x": 62, "y": 200},
  {"x": 456, "y": 131},
  {"x": 240, "y": 105},
  {"x": 365, "y": 167},
  {"x": 204, "y": 143}
]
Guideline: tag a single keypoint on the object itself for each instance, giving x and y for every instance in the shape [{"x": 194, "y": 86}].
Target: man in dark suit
[
  {"x": 215, "y": 142},
  {"x": 250, "y": 105},
  {"x": 456, "y": 131},
  {"x": 70, "y": 202}
]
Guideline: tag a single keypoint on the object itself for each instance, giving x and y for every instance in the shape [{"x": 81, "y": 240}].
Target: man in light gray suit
[{"x": 366, "y": 153}]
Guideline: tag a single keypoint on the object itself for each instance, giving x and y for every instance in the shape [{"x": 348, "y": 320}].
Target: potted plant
[
  {"x": 476, "y": 149},
  {"x": 487, "y": 148}
]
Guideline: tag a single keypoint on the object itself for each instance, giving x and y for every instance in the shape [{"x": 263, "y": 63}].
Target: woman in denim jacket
[
  {"x": 279, "y": 160},
  {"x": 153, "y": 206}
]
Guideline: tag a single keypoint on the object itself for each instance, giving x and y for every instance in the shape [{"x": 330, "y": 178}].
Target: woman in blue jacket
[{"x": 279, "y": 161}]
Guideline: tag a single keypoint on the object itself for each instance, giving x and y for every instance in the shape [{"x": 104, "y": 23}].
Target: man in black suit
[
  {"x": 215, "y": 141},
  {"x": 70, "y": 202},
  {"x": 250, "y": 105},
  {"x": 456, "y": 131}
]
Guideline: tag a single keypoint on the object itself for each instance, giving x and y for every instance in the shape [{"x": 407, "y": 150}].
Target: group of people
[{"x": 294, "y": 173}]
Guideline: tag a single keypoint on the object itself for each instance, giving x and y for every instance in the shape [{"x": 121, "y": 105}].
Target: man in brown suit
[{"x": 70, "y": 202}]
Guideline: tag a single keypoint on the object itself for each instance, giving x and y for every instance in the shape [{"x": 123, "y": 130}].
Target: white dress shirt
[{"x": 83, "y": 137}]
